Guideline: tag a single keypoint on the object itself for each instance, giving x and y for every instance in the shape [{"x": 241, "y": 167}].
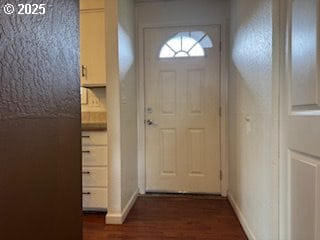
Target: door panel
[
  {"x": 182, "y": 100},
  {"x": 303, "y": 121},
  {"x": 304, "y": 192},
  {"x": 305, "y": 88},
  {"x": 196, "y": 152},
  {"x": 195, "y": 85},
  {"x": 168, "y": 152},
  {"x": 168, "y": 93}
]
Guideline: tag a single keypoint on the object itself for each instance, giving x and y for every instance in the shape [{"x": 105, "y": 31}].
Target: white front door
[
  {"x": 182, "y": 99},
  {"x": 301, "y": 124}
]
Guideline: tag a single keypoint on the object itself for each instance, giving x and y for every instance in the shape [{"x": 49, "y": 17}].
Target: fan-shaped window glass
[{"x": 186, "y": 44}]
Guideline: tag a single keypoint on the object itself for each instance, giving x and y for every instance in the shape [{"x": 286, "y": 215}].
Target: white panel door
[
  {"x": 182, "y": 112},
  {"x": 302, "y": 122}
]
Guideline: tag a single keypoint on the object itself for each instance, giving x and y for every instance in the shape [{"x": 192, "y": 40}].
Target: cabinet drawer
[
  {"x": 94, "y": 156},
  {"x": 94, "y": 198},
  {"x": 94, "y": 177},
  {"x": 94, "y": 138}
]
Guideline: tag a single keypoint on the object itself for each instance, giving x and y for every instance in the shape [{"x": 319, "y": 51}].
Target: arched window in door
[{"x": 186, "y": 44}]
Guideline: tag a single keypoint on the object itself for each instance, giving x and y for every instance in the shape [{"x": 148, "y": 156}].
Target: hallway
[
  {"x": 170, "y": 217},
  {"x": 179, "y": 96}
]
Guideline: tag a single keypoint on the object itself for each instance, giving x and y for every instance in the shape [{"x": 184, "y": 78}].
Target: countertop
[
  {"x": 93, "y": 126},
  {"x": 94, "y": 121}
]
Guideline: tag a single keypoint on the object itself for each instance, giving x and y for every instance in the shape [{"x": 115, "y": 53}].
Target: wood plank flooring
[{"x": 170, "y": 217}]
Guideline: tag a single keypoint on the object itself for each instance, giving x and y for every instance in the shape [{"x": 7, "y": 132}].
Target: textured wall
[
  {"x": 250, "y": 114},
  {"x": 40, "y": 166}
]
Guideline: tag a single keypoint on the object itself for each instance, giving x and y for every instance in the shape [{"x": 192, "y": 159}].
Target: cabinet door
[
  {"x": 91, "y": 4},
  {"x": 92, "y": 47}
]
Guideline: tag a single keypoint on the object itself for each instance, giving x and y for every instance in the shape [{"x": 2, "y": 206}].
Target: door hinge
[
  {"x": 220, "y": 175},
  {"x": 220, "y": 111}
]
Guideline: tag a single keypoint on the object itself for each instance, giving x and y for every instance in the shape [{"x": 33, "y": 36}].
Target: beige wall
[{"x": 251, "y": 116}]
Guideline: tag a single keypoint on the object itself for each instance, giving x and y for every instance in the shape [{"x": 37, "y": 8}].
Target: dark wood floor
[{"x": 170, "y": 217}]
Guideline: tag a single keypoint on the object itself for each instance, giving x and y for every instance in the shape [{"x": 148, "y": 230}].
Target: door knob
[{"x": 150, "y": 122}]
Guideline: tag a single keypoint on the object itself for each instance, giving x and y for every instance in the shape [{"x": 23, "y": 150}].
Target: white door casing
[
  {"x": 300, "y": 124},
  {"x": 182, "y": 98}
]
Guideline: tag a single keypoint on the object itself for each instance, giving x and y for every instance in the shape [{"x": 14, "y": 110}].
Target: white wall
[
  {"x": 128, "y": 99},
  {"x": 122, "y": 109},
  {"x": 179, "y": 13},
  {"x": 251, "y": 116},
  {"x": 183, "y": 12}
]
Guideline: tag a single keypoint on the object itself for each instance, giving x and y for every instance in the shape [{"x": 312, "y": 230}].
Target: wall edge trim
[
  {"x": 129, "y": 205},
  {"x": 241, "y": 217},
  {"x": 119, "y": 218}
]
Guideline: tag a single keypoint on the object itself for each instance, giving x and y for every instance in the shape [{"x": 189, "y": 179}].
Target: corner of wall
[
  {"x": 119, "y": 218},
  {"x": 241, "y": 217},
  {"x": 113, "y": 106},
  {"x": 123, "y": 186}
]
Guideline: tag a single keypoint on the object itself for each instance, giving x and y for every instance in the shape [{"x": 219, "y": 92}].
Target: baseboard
[
  {"x": 129, "y": 205},
  {"x": 117, "y": 218},
  {"x": 241, "y": 218},
  {"x": 113, "y": 218}
]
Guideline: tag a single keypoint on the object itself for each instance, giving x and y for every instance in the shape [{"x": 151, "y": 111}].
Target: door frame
[{"x": 224, "y": 78}]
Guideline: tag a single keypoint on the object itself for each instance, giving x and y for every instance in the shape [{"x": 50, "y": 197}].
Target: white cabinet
[
  {"x": 94, "y": 171},
  {"x": 94, "y": 199},
  {"x": 92, "y": 138},
  {"x": 94, "y": 155},
  {"x": 92, "y": 43},
  {"x": 95, "y": 176}
]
